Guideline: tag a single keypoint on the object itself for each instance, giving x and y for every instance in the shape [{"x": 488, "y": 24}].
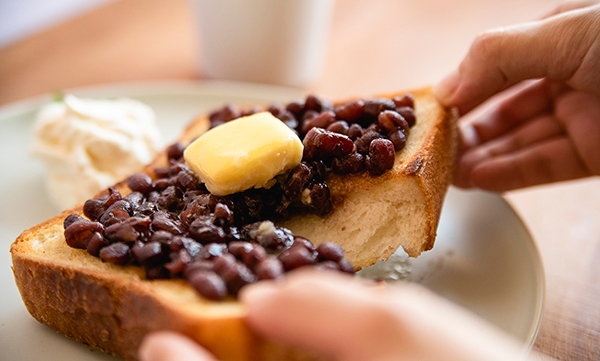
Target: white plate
[{"x": 484, "y": 258}]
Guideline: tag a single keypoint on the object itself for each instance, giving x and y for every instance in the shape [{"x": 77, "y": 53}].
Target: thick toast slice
[{"x": 112, "y": 307}]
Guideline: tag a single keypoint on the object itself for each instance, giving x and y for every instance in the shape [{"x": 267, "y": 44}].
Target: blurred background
[{"x": 373, "y": 45}]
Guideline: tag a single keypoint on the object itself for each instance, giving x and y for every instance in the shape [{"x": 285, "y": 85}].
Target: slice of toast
[{"x": 112, "y": 307}]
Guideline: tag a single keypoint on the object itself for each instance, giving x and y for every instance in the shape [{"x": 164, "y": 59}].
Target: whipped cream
[{"x": 88, "y": 145}]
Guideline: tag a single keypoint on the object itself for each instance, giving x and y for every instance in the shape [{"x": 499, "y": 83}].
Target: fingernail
[
  {"x": 445, "y": 89},
  {"x": 468, "y": 136},
  {"x": 170, "y": 346}
]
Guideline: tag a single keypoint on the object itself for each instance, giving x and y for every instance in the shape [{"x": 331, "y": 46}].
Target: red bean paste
[{"x": 174, "y": 228}]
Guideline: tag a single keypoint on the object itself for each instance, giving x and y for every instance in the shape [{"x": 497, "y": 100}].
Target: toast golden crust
[{"x": 112, "y": 307}]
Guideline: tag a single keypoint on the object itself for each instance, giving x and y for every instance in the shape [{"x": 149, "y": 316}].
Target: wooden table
[{"x": 376, "y": 46}]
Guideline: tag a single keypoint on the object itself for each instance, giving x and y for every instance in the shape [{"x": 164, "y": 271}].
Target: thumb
[
  {"x": 563, "y": 47},
  {"x": 171, "y": 346},
  {"x": 330, "y": 315}
]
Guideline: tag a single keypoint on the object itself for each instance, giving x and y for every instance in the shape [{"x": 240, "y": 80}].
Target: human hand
[
  {"x": 536, "y": 132},
  {"x": 172, "y": 346},
  {"x": 341, "y": 318}
]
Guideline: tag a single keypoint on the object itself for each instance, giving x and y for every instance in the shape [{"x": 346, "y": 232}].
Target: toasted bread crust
[{"x": 113, "y": 308}]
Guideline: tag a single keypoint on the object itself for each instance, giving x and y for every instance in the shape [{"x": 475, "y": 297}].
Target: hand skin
[
  {"x": 345, "y": 319},
  {"x": 525, "y": 133}
]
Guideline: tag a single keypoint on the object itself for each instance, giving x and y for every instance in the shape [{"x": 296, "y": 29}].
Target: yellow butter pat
[{"x": 244, "y": 153}]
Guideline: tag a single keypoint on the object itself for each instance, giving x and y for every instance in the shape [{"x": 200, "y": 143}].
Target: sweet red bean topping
[
  {"x": 171, "y": 199},
  {"x": 256, "y": 255},
  {"x": 236, "y": 277},
  {"x": 223, "y": 262},
  {"x": 346, "y": 266},
  {"x": 363, "y": 143},
  {"x": 121, "y": 232},
  {"x": 206, "y": 232},
  {"x": 276, "y": 109},
  {"x": 162, "y": 237},
  {"x": 165, "y": 221},
  {"x": 269, "y": 268},
  {"x": 71, "y": 218},
  {"x": 373, "y": 107},
  {"x": 339, "y": 126},
  {"x": 233, "y": 234},
  {"x": 398, "y": 138},
  {"x": 239, "y": 248},
  {"x": 350, "y": 111},
  {"x": 322, "y": 144},
  {"x": 173, "y": 227},
  {"x": 408, "y": 114},
  {"x": 95, "y": 208},
  {"x": 355, "y": 131},
  {"x": 296, "y": 108},
  {"x": 322, "y": 120},
  {"x": 78, "y": 233},
  {"x": 289, "y": 119},
  {"x": 135, "y": 200},
  {"x": 179, "y": 262},
  {"x": 187, "y": 181},
  {"x": 223, "y": 215},
  {"x": 330, "y": 251},
  {"x": 328, "y": 265},
  {"x": 351, "y": 164},
  {"x": 117, "y": 212},
  {"x": 140, "y": 182},
  {"x": 208, "y": 284},
  {"x": 390, "y": 120},
  {"x": 199, "y": 265},
  {"x": 213, "y": 250},
  {"x": 308, "y": 116},
  {"x": 381, "y": 156},
  {"x": 118, "y": 253},
  {"x": 297, "y": 180},
  {"x": 406, "y": 100},
  {"x": 115, "y": 216},
  {"x": 175, "y": 151},
  {"x": 161, "y": 172},
  {"x": 153, "y": 196},
  {"x": 95, "y": 243},
  {"x": 317, "y": 104},
  {"x": 296, "y": 257},
  {"x": 268, "y": 235},
  {"x": 148, "y": 253},
  {"x": 193, "y": 247},
  {"x": 318, "y": 197},
  {"x": 375, "y": 127},
  {"x": 320, "y": 171},
  {"x": 227, "y": 113},
  {"x": 303, "y": 242}
]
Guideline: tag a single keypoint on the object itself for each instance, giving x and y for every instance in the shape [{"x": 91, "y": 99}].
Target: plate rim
[
  {"x": 243, "y": 89},
  {"x": 153, "y": 87},
  {"x": 540, "y": 272}
]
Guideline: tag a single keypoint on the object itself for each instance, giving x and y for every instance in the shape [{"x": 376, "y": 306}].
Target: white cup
[{"x": 269, "y": 41}]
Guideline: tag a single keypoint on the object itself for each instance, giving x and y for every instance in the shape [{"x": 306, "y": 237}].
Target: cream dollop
[{"x": 90, "y": 144}]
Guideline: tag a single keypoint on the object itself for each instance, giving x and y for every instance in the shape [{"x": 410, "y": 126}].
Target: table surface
[{"x": 376, "y": 46}]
